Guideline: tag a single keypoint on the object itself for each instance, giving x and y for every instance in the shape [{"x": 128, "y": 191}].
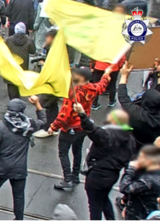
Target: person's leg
[
  {"x": 18, "y": 189},
  {"x": 77, "y": 154},
  {"x": 96, "y": 78},
  {"x": 107, "y": 208},
  {"x": 50, "y": 103},
  {"x": 112, "y": 88},
  {"x": 13, "y": 91},
  {"x": 95, "y": 201},
  {"x": 65, "y": 142}
]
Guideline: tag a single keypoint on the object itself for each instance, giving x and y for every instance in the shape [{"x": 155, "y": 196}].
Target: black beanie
[{"x": 83, "y": 71}]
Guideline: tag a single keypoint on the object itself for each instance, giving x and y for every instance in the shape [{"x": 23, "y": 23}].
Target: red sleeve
[
  {"x": 63, "y": 116},
  {"x": 121, "y": 62},
  {"x": 102, "y": 84}
]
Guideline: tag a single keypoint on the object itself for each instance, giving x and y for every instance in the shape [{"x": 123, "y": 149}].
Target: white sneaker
[{"x": 43, "y": 134}]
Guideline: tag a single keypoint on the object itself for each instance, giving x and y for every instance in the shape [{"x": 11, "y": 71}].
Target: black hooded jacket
[
  {"x": 145, "y": 119},
  {"x": 142, "y": 193},
  {"x": 21, "y": 45},
  {"x": 14, "y": 146},
  {"x": 111, "y": 150}
]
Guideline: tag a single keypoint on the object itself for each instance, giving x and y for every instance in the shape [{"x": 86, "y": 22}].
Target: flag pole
[{"x": 74, "y": 92}]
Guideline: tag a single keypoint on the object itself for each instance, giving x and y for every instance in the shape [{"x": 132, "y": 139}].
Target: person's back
[
  {"x": 21, "y": 45},
  {"x": 132, "y": 4},
  {"x": 20, "y": 11}
]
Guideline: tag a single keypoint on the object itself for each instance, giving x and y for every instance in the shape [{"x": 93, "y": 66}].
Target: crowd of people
[{"x": 129, "y": 138}]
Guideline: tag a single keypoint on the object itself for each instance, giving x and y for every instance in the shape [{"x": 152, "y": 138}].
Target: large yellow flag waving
[{"x": 92, "y": 31}]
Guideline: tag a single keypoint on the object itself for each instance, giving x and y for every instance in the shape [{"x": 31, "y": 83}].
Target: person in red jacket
[
  {"x": 69, "y": 122},
  {"x": 99, "y": 69}
]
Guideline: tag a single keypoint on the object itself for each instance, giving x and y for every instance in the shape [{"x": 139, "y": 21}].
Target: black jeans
[
  {"x": 97, "y": 75},
  {"x": 13, "y": 91},
  {"x": 99, "y": 202},
  {"x": 67, "y": 140},
  {"x": 18, "y": 188},
  {"x": 50, "y": 103}
]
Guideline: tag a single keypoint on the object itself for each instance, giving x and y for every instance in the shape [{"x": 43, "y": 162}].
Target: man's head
[
  {"x": 81, "y": 76},
  {"x": 64, "y": 212},
  {"x": 20, "y": 28},
  {"x": 51, "y": 34},
  {"x": 149, "y": 156},
  {"x": 16, "y": 105},
  {"x": 120, "y": 8},
  {"x": 118, "y": 117}
]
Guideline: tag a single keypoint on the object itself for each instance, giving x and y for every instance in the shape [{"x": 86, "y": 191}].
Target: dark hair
[
  {"x": 52, "y": 33},
  {"x": 151, "y": 151},
  {"x": 84, "y": 72},
  {"x": 120, "y": 5}
]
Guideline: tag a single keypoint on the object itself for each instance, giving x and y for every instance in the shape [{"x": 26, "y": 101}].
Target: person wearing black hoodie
[
  {"x": 16, "y": 131},
  {"x": 145, "y": 119},
  {"x": 21, "y": 45},
  {"x": 111, "y": 150}
]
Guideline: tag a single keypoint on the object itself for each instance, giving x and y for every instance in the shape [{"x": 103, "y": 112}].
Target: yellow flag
[
  {"x": 54, "y": 78},
  {"x": 92, "y": 31}
]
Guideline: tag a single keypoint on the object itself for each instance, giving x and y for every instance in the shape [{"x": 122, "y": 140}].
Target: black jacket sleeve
[
  {"x": 126, "y": 102},
  {"x": 2, "y": 14},
  {"x": 41, "y": 120},
  {"x": 96, "y": 134},
  {"x": 32, "y": 47},
  {"x": 9, "y": 8},
  {"x": 129, "y": 186}
]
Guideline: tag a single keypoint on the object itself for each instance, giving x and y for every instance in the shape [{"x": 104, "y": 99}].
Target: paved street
[{"x": 44, "y": 166}]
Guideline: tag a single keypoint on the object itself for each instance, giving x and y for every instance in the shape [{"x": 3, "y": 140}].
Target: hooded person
[
  {"x": 144, "y": 119},
  {"x": 111, "y": 149},
  {"x": 64, "y": 212},
  {"x": 16, "y": 130},
  {"x": 21, "y": 45}
]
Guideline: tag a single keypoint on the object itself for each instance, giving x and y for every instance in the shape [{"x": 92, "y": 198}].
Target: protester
[
  {"x": 144, "y": 191},
  {"x": 100, "y": 67},
  {"x": 48, "y": 101},
  {"x": 20, "y": 11},
  {"x": 21, "y": 45},
  {"x": 110, "y": 151},
  {"x": 41, "y": 27},
  {"x": 132, "y": 4},
  {"x": 16, "y": 130},
  {"x": 145, "y": 119},
  {"x": 64, "y": 212},
  {"x": 69, "y": 123}
]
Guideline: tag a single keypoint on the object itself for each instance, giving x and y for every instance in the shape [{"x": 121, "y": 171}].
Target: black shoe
[
  {"x": 76, "y": 179},
  {"x": 66, "y": 186},
  {"x": 112, "y": 104},
  {"x": 119, "y": 204},
  {"x": 96, "y": 107}
]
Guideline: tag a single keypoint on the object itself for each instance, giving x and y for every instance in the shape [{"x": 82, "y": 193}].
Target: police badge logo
[{"x": 136, "y": 29}]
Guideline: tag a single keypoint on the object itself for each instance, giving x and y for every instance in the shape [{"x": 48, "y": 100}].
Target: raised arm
[
  {"x": 129, "y": 186},
  {"x": 41, "y": 116},
  {"x": 123, "y": 96},
  {"x": 95, "y": 133}
]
